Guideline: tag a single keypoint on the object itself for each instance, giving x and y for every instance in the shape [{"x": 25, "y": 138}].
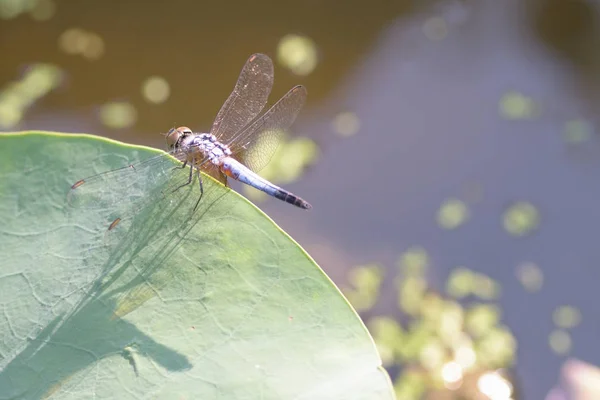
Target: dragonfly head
[{"x": 176, "y": 135}]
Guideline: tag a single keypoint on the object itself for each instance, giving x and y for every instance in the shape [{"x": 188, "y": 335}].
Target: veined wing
[
  {"x": 121, "y": 193},
  {"x": 256, "y": 144},
  {"x": 247, "y": 100},
  {"x": 141, "y": 219}
]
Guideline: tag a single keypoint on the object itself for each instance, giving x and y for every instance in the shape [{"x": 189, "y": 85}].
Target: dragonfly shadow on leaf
[
  {"x": 133, "y": 262},
  {"x": 134, "y": 258},
  {"x": 67, "y": 348}
]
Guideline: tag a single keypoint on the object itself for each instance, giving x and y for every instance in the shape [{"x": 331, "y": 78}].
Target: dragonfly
[{"x": 240, "y": 143}]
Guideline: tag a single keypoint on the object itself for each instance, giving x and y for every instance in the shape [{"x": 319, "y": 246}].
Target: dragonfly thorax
[
  {"x": 205, "y": 145},
  {"x": 197, "y": 147}
]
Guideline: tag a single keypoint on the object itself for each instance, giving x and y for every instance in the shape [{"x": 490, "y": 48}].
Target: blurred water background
[{"x": 449, "y": 148}]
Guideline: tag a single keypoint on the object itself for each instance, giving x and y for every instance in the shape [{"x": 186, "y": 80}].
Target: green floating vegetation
[
  {"x": 521, "y": 219},
  {"x": 37, "y": 81},
  {"x": 460, "y": 283},
  {"x": 389, "y": 333},
  {"x": 566, "y": 317},
  {"x": 481, "y": 318},
  {"x": 515, "y": 106},
  {"x": 437, "y": 341},
  {"x": 156, "y": 89},
  {"x": 298, "y": 54},
  {"x": 530, "y": 276},
  {"x": 78, "y": 41},
  {"x": 38, "y": 9},
  {"x": 411, "y": 385},
  {"x": 463, "y": 282},
  {"x": 414, "y": 262},
  {"x": 118, "y": 114},
  {"x": 578, "y": 131},
  {"x": 436, "y": 28},
  {"x": 365, "y": 281},
  {"x": 560, "y": 341},
  {"x": 346, "y": 123},
  {"x": 452, "y": 214},
  {"x": 496, "y": 348},
  {"x": 411, "y": 293}
]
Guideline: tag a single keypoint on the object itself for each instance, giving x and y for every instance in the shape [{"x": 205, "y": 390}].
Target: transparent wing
[
  {"x": 256, "y": 144},
  {"x": 134, "y": 219},
  {"x": 248, "y": 98},
  {"x": 121, "y": 194}
]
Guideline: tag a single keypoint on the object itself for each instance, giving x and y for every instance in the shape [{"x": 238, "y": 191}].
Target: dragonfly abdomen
[
  {"x": 291, "y": 198},
  {"x": 238, "y": 171}
]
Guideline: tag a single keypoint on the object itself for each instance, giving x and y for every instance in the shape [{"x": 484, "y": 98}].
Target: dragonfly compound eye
[{"x": 172, "y": 137}]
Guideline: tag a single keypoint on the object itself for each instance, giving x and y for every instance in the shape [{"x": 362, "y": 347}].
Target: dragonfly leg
[
  {"x": 189, "y": 179},
  {"x": 182, "y": 166},
  {"x": 201, "y": 189}
]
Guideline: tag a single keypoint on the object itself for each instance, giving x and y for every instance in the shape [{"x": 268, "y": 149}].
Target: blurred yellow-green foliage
[
  {"x": 452, "y": 214},
  {"x": 515, "y": 105},
  {"x": 16, "y": 97},
  {"x": 438, "y": 341},
  {"x": 521, "y": 218}
]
